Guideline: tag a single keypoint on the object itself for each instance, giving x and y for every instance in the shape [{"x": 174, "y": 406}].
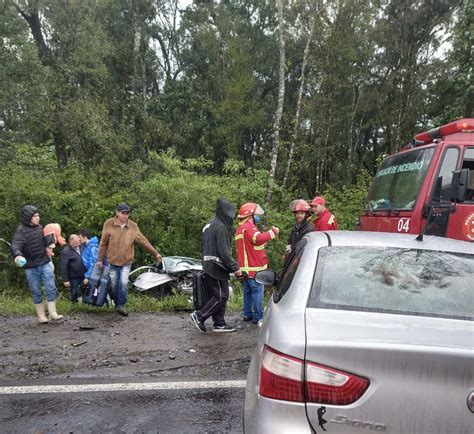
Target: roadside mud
[{"x": 104, "y": 345}]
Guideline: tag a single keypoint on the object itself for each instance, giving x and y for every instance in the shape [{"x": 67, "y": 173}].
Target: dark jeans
[
  {"x": 218, "y": 295},
  {"x": 76, "y": 284}
]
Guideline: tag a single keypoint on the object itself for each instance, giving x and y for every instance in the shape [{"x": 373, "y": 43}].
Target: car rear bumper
[{"x": 264, "y": 415}]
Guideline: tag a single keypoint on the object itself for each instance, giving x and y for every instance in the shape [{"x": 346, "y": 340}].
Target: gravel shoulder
[{"x": 140, "y": 346}]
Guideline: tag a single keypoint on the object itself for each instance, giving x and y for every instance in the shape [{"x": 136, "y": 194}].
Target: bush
[{"x": 171, "y": 200}]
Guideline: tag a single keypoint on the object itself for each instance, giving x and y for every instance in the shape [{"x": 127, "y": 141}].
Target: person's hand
[
  {"x": 49, "y": 251},
  {"x": 275, "y": 230},
  {"x": 158, "y": 257},
  {"x": 85, "y": 282},
  {"x": 99, "y": 265},
  {"x": 67, "y": 284},
  {"x": 238, "y": 273}
]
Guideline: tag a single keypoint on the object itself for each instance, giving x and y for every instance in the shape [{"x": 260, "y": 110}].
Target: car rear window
[{"x": 403, "y": 281}]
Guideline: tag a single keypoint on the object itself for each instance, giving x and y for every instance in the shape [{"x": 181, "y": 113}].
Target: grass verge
[{"x": 18, "y": 302}]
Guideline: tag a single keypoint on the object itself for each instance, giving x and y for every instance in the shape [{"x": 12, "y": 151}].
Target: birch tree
[
  {"x": 281, "y": 98},
  {"x": 301, "y": 80}
]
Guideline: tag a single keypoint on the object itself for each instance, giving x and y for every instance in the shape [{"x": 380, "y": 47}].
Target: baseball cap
[
  {"x": 318, "y": 200},
  {"x": 123, "y": 207}
]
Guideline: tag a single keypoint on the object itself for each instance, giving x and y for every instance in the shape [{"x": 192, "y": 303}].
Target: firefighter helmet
[
  {"x": 250, "y": 208},
  {"x": 318, "y": 200},
  {"x": 299, "y": 205}
]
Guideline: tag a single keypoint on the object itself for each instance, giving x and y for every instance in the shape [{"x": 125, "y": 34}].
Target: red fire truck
[{"x": 428, "y": 187}]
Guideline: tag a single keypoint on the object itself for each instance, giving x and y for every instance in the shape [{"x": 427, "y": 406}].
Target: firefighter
[
  {"x": 301, "y": 211},
  {"x": 251, "y": 256},
  {"x": 325, "y": 220}
]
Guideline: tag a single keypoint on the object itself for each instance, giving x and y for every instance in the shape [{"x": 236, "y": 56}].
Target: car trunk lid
[{"x": 420, "y": 370}]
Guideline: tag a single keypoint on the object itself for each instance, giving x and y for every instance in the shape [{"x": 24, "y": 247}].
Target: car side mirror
[
  {"x": 266, "y": 277},
  {"x": 459, "y": 185}
]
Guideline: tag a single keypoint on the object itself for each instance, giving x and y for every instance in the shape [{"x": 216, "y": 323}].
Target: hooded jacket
[
  {"x": 216, "y": 247},
  {"x": 28, "y": 240},
  {"x": 90, "y": 255}
]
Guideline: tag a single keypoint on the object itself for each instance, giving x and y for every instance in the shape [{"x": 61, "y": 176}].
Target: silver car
[{"x": 366, "y": 332}]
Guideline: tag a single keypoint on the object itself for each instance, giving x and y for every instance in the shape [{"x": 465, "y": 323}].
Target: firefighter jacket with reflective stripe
[
  {"x": 250, "y": 245},
  {"x": 326, "y": 222}
]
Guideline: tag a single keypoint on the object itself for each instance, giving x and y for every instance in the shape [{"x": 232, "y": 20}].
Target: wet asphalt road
[{"x": 212, "y": 410}]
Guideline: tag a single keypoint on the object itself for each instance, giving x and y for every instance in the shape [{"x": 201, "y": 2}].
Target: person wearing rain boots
[{"x": 28, "y": 249}]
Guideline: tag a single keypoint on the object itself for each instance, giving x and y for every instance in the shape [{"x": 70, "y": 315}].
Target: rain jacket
[
  {"x": 28, "y": 240},
  {"x": 250, "y": 245},
  {"x": 90, "y": 256},
  {"x": 216, "y": 247}
]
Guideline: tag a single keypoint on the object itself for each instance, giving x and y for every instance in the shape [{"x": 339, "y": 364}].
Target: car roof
[{"x": 388, "y": 239}]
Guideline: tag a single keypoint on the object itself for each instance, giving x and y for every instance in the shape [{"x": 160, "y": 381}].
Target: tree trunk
[
  {"x": 279, "y": 111},
  {"x": 48, "y": 60},
  {"x": 298, "y": 103},
  {"x": 44, "y": 52}
]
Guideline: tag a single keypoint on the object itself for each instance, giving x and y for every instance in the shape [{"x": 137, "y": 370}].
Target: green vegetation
[
  {"x": 167, "y": 109},
  {"x": 18, "y": 302}
]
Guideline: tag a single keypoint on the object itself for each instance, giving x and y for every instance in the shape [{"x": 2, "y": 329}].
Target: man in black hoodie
[
  {"x": 218, "y": 262},
  {"x": 30, "y": 244}
]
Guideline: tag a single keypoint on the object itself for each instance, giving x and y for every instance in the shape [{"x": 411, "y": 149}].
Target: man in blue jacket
[{"x": 90, "y": 252}]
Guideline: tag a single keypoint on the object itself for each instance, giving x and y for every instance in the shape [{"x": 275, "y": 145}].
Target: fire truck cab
[{"x": 427, "y": 188}]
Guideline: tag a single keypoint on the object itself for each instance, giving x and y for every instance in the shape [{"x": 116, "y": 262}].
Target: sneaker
[
  {"x": 199, "y": 324},
  {"x": 223, "y": 329},
  {"x": 246, "y": 318},
  {"x": 122, "y": 311},
  {"x": 257, "y": 322}
]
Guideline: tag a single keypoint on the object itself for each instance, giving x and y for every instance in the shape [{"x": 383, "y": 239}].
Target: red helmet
[
  {"x": 299, "y": 205},
  {"x": 248, "y": 209},
  {"x": 318, "y": 200}
]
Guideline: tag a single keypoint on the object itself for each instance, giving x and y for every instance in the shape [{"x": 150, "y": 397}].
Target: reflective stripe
[
  {"x": 246, "y": 259},
  {"x": 272, "y": 234},
  {"x": 259, "y": 247},
  {"x": 331, "y": 220},
  {"x": 254, "y": 239},
  {"x": 212, "y": 258},
  {"x": 263, "y": 267},
  {"x": 239, "y": 237}
]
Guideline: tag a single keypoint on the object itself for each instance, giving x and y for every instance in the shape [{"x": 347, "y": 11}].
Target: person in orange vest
[
  {"x": 251, "y": 257},
  {"x": 325, "y": 220}
]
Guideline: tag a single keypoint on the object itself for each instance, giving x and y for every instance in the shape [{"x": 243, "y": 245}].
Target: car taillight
[
  {"x": 330, "y": 386},
  {"x": 282, "y": 377}
]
